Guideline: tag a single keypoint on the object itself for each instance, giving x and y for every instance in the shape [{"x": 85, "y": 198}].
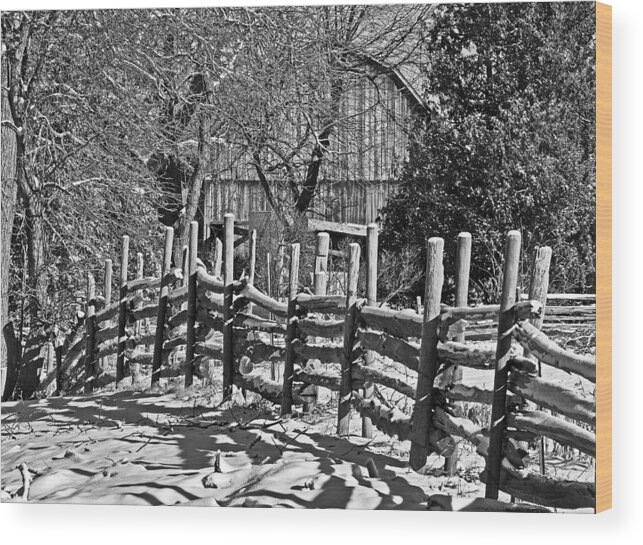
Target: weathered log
[
  {"x": 403, "y": 323},
  {"x": 469, "y": 393},
  {"x": 258, "y": 351},
  {"x": 588, "y": 321},
  {"x": 404, "y": 352},
  {"x": 585, "y": 311},
  {"x": 354, "y": 229},
  {"x": 372, "y": 240},
  {"x": 317, "y": 327},
  {"x": 325, "y": 354},
  {"x": 178, "y": 331},
  {"x": 190, "y": 337},
  {"x": 180, "y": 318},
  {"x": 210, "y": 320},
  {"x": 533, "y": 487},
  {"x": 547, "y": 351},
  {"x": 407, "y": 352},
  {"x": 249, "y": 293},
  {"x": 144, "y": 358},
  {"x": 209, "y": 300},
  {"x": 370, "y": 374},
  {"x": 554, "y": 397},
  {"x": 144, "y": 283},
  {"x": 107, "y": 349},
  {"x": 584, "y": 297},
  {"x": 524, "y": 365},
  {"x": 173, "y": 343},
  {"x": 291, "y": 331},
  {"x": 394, "y": 422},
  {"x": 350, "y": 326},
  {"x": 108, "y": 312},
  {"x": 122, "y": 310},
  {"x": 90, "y": 335},
  {"x": 462, "y": 427},
  {"x": 252, "y": 321},
  {"x": 453, "y": 374},
  {"x": 481, "y": 334},
  {"x": 210, "y": 350},
  {"x": 326, "y": 304},
  {"x": 161, "y": 307},
  {"x": 428, "y": 363},
  {"x": 326, "y": 379},
  {"x": 265, "y": 387},
  {"x": 554, "y": 330},
  {"x": 451, "y": 315},
  {"x": 506, "y": 319},
  {"x": 106, "y": 334},
  {"x": 564, "y": 432},
  {"x": 208, "y": 282},
  {"x": 178, "y": 296},
  {"x": 150, "y": 282},
  {"x": 148, "y": 311},
  {"x": 538, "y": 287},
  {"x": 454, "y": 353}
]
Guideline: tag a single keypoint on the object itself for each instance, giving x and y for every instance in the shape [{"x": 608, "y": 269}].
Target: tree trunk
[
  {"x": 36, "y": 277},
  {"x": 37, "y": 281},
  {"x": 8, "y": 346},
  {"x": 195, "y": 184}
]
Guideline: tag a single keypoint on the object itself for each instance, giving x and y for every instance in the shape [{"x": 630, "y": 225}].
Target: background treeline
[{"x": 509, "y": 142}]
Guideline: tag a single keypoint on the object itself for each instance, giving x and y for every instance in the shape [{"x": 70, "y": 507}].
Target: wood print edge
[{"x": 603, "y": 257}]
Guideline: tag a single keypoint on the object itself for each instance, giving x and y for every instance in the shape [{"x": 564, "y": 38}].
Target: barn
[{"x": 367, "y": 149}]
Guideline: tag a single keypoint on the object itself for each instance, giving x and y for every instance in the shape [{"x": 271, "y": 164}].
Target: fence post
[
  {"x": 371, "y": 299},
  {"x": 139, "y": 274},
  {"x": 107, "y": 295},
  {"x": 346, "y": 386},
  {"x": 159, "y": 336},
  {"x": 320, "y": 280},
  {"x": 90, "y": 333},
  {"x": 107, "y": 281},
  {"x": 428, "y": 364},
  {"x": 190, "y": 338},
  {"x": 538, "y": 287},
  {"x": 59, "y": 367},
  {"x": 228, "y": 277},
  {"x": 122, "y": 311},
  {"x": 462, "y": 269},
  {"x": 185, "y": 272},
  {"x": 503, "y": 347},
  {"x": 218, "y": 257},
  {"x": 252, "y": 265},
  {"x": 253, "y": 256},
  {"x": 291, "y": 330},
  {"x": 274, "y": 365},
  {"x": 135, "y": 367},
  {"x": 320, "y": 283}
]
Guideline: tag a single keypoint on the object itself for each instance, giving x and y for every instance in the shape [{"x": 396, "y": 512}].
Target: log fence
[{"x": 347, "y": 338}]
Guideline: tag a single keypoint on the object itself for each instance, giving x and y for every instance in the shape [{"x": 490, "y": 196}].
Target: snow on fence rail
[{"x": 332, "y": 342}]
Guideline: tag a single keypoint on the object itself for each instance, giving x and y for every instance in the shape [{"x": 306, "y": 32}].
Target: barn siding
[{"x": 356, "y": 178}]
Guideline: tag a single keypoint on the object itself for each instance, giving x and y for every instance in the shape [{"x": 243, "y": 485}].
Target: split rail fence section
[{"x": 339, "y": 342}]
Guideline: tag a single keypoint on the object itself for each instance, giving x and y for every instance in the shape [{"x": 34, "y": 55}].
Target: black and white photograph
[{"x": 303, "y": 256}]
